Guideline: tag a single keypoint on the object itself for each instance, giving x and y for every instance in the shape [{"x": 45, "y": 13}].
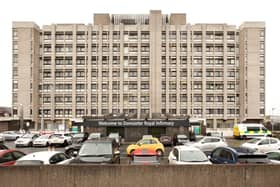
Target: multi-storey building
[{"x": 141, "y": 65}]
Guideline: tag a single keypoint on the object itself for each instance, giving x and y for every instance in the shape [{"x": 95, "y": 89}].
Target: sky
[{"x": 198, "y": 11}]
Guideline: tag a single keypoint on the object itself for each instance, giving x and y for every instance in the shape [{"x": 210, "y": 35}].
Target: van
[{"x": 249, "y": 130}]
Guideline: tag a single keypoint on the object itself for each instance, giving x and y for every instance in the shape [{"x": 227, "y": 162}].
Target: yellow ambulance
[{"x": 249, "y": 130}]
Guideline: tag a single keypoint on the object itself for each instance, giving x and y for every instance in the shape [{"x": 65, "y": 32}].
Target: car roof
[
  {"x": 4, "y": 151},
  {"x": 106, "y": 140},
  {"x": 186, "y": 148},
  {"x": 42, "y": 155}
]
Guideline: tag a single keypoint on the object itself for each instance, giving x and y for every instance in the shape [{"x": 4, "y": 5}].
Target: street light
[
  {"x": 20, "y": 116},
  {"x": 272, "y": 121}
]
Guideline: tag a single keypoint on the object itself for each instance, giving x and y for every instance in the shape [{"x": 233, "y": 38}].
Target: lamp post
[
  {"x": 20, "y": 117},
  {"x": 272, "y": 110}
]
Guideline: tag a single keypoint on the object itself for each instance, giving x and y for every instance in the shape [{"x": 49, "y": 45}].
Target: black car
[
  {"x": 77, "y": 140},
  {"x": 231, "y": 155},
  {"x": 98, "y": 151},
  {"x": 180, "y": 139}
]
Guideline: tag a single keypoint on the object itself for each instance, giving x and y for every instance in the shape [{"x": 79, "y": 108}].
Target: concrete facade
[
  {"x": 150, "y": 176},
  {"x": 140, "y": 65}
]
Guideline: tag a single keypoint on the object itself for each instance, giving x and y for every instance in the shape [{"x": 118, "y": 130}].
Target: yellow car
[{"x": 147, "y": 143}]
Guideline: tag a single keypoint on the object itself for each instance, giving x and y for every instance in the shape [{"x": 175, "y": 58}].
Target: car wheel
[
  {"x": 159, "y": 152},
  {"x": 65, "y": 143},
  {"x": 47, "y": 144},
  {"x": 30, "y": 144}
]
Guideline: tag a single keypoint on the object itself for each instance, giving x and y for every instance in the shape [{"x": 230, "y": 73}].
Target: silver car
[
  {"x": 26, "y": 140},
  {"x": 2, "y": 139},
  {"x": 11, "y": 135}
]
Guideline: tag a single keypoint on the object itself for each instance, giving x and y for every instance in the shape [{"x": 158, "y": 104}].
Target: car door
[
  {"x": 7, "y": 159},
  {"x": 263, "y": 145},
  {"x": 273, "y": 144},
  {"x": 205, "y": 144}
]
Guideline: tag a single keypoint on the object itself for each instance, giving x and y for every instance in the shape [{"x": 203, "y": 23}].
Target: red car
[
  {"x": 144, "y": 157},
  {"x": 8, "y": 157}
]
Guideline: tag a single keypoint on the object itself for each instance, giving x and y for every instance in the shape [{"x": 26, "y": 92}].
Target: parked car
[
  {"x": 273, "y": 156},
  {"x": 79, "y": 137},
  {"x": 166, "y": 140},
  {"x": 42, "y": 141},
  {"x": 98, "y": 151},
  {"x": 2, "y": 146},
  {"x": 8, "y": 157},
  {"x": 26, "y": 140},
  {"x": 115, "y": 136},
  {"x": 144, "y": 157},
  {"x": 2, "y": 139},
  {"x": 209, "y": 143},
  {"x": 60, "y": 139},
  {"x": 147, "y": 143},
  {"x": 180, "y": 139},
  {"x": 11, "y": 135},
  {"x": 43, "y": 158},
  {"x": 94, "y": 135},
  {"x": 184, "y": 155},
  {"x": 263, "y": 144},
  {"x": 77, "y": 141},
  {"x": 230, "y": 155}
]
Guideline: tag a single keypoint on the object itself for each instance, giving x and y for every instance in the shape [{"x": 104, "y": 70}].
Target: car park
[
  {"x": 42, "y": 141},
  {"x": 147, "y": 143},
  {"x": 231, "y": 155},
  {"x": 166, "y": 140},
  {"x": 26, "y": 140},
  {"x": 11, "y": 135},
  {"x": 60, "y": 139},
  {"x": 263, "y": 144},
  {"x": 115, "y": 136},
  {"x": 144, "y": 157},
  {"x": 98, "y": 151},
  {"x": 8, "y": 157},
  {"x": 180, "y": 139},
  {"x": 184, "y": 155},
  {"x": 43, "y": 158},
  {"x": 273, "y": 156},
  {"x": 209, "y": 143}
]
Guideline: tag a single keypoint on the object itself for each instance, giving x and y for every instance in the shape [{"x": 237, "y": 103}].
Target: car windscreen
[
  {"x": 27, "y": 136},
  {"x": 253, "y": 128},
  {"x": 46, "y": 136},
  {"x": 182, "y": 136},
  {"x": 78, "y": 135},
  {"x": 95, "y": 149},
  {"x": 29, "y": 162},
  {"x": 253, "y": 141},
  {"x": 192, "y": 156},
  {"x": 94, "y": 136}
]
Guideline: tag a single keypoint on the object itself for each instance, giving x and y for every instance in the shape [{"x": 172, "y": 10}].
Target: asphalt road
[{"x": 124, "y": 158}]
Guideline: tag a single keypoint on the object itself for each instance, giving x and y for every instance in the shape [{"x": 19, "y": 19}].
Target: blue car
[{"x": 231, "y": 155}]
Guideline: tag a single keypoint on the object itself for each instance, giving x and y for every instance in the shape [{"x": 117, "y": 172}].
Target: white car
[
  {"x": 62, "y": 139},
  {"x": 42, "y": 140},
  {"x": 209, "y": 143},
  {"x": 184, "y": 155},
  {"x": 26, "y": 140},
  {"x": 263, "y": 144},
  {"x": 43, "y": 158},
  {"x": 2, "y": 139},
  {"x": 274, "y": 156}
]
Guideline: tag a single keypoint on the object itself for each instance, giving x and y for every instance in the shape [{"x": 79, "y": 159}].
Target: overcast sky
[{"x": 198, "y": 11}]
